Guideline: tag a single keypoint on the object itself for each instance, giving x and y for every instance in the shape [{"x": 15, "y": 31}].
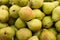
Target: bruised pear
[
  {"x": 23, "y": 34},
  {"x": 49, "y": 6},
  {"x": 47, "y": 35},
  {"x": 57, "y": 25},
  {"x": 34, "y": 38},
  {"x": 4, "y": 15},
  {"x": 34, "y": 25},
  {"x": 4, "y": 7},
  {"x": 36, "y": 3},
  {"x": 56, "y": 14},
  {"x": 58, "y": 36},
  {"x": 14, "y": 9},
  {"x": 26, "y": 13},
  {"x": 19, "y": 23},
  {"x": 38, "y": 14},
  {"x": 47, "y": 22},
  {"x": 8, "y": 32}
]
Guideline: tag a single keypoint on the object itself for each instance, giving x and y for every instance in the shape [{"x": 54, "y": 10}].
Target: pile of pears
[{"x": 29, "y": 19}]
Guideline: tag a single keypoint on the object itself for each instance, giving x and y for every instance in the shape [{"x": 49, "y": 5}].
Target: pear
[
  {"x": 49, "y": 6},
  {"x": 14, "y": 9},
  {"x": 8, "y": 32},
  {"x": 47, "y": 35},
  {"x": 49, "y": 0},
  {"x": 26, "y": 13},
  {"x": 34, "y": 25},
  {"x": 3, "y": 25},
  {"x": 4, "y": 15},
  {"x": 4, "y": 7},
  {"x": 23, "y": 34},
  {"x": 4, "y": 1},
  {"x": 19, "y": 23},
  {"x": 56, "y": 14},
  {"x": 47, "y": 22},
  {"x": 57, "y": 25},
  {"x": 58, "y": 36},
  {"x": 33, "y": 38},
  {"x": 53, "y": 30},
  {"x": 38, "y": 14},
  {"x": 36, "y": 3}
]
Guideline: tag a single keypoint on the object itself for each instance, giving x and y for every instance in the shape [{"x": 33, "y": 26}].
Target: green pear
[
  {"x": 36, "y": 3},
  {"x": 4, "y": 7},
  {"x": 58, "y": 36},
  {"x": 3, "y": 25},
  {"x": 34, "y": 38},
  {"x": 38, "y": 14},
  {"x": 23, "y": 2},
  {"x": 57, "y": 25},
  {"x": 49, "y": 6},
  {"x": 34, "y": 25},
  {"x": 23, "y": 34},
  {"x": 19, "y": 23},
  {"x": 4, "y": 15},
  {"x": 4, "y": 1},
  {"x": 8, "y": 32},
  {"x": 56, "y": 14},
  {"x": 14, "y": 9},
  {"x": 53, "y": 30},
  {"x": 47, "y": 22},
  {"x": 26, "y": 13},
  {"x": 47, "y": 35}
]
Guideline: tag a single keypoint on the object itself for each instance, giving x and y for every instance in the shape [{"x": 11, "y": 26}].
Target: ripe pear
[
  {"x": 38, "y": 14},
  {"x": 4, "y": 1},
  {"x": 23, "y": 34},
  {"x": 34, "y": 38},
  {"x": 57, "y": 25},
  {"x": 4, "y": 15},
  {"x": 4, "y": 7},
  {"x": 34, "y": 25},
  {"x": 53, "y": 30},
  {"x": 36, "y": 3},
  {"x": 49, "y": 6},
  {"x": 3, "y": 25},
  {"x": 8, "y": 32},
  {"x": 47, "y": 35},
  {"x": 56, "y": 14},
  {"x": 19, "y": 23},
  {"x": 47, "y": 22},
  {"x": 14, "y": 9},
  {"x": 26, "y": 13},
  {"x": 58, "y": 36}
]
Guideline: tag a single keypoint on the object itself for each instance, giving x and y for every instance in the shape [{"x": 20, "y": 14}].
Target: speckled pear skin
[
  {"x": 36, "y": 3},
  {"x": 34, "y": 38},
  {"x": 57, "y": 25},
  {"x": 34, "y": 25},
  {"x": 4, "y": 15},
  {"x": 20, "y": 23},
  {"x": 23, "y": 34},
  {"x": 8, "y": 32},
  {"x": 56, "y": 14},
  {"x": 38, "y": 14},
  {"x": 48, "y": 7},
  {"x": 14, "y": 9},
  {"x": 26, "y": 13},
  {"x": 47, "y": 35},
  {"x": 47, "y": 22}
]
